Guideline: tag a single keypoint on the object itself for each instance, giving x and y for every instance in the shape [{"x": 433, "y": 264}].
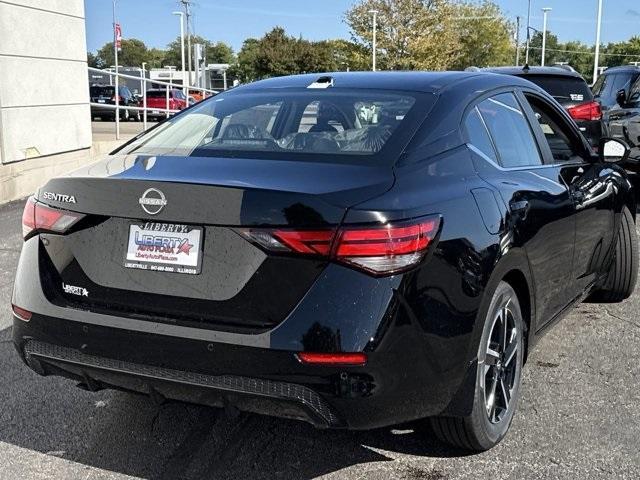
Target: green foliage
[
  {"x": 618, "y": 53},
  {"x": 484, "y": 36},
  {"x": 552, "y": 55},
  {"x": 93, "y": 61},
  {"x": 581, "y": 56},
  {"x": 411, "y": 35},
  {"x": 277, "y": 53},
  {"x": 133, "y": 53},
  {"x": 155, "y": 58},
  {"x": 214, "y": 52},
  {"x": 433, "y": 34}
]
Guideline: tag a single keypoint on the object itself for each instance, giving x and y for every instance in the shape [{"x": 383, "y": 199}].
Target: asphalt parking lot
[{"x": 579, "y": 417}]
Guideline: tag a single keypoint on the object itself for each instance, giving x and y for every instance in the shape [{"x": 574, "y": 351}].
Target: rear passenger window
[
  {"x": 562, "y": 142},
  {"x": 510, "y": 131},
  {"x": 478, "y": 135}
]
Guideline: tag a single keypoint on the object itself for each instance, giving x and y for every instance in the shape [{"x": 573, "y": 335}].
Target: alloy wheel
[{"x": 500, "y": 362}]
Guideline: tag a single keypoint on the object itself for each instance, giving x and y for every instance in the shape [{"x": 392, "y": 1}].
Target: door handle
[{"x": 583, "y": 201}]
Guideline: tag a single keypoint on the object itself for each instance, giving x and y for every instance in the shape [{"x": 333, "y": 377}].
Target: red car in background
[{"x": 157, "y": 99}]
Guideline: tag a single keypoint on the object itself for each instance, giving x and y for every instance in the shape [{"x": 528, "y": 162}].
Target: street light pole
[
  {"x": 117, "y": 89},
  {"x": 545, "y": 11},
  {"x": 518, "y": 40},
  {"x": 187, "y": 12},
  {"x": 375, "y": 18},
  {"x": 596, "y": 60},
  {"x": 526, "y": 53},
  {"x": 184, "y": 81},
  {"x": 144, "y": 95}
]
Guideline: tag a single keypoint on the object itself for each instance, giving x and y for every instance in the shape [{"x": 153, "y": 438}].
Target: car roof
[
  {"x": 621, "y": 68},
  {"x": 428, "y": 82},
  {"x": 518, "y": 71}
]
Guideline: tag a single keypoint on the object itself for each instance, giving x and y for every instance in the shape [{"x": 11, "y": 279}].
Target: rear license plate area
[{"x": 164, "y": 247}]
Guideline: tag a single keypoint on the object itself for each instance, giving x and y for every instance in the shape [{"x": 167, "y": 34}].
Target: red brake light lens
[
  {"x": 586, "y": 111},
  {"x": 21, "y": 313},
  {"x": 39, "y": 217},
  {"x": 307, "y": 242},
  {"x": 353, "y": 359},
  {"x": 379, "y": 250}
]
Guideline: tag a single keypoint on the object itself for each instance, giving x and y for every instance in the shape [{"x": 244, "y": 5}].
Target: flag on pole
[{"x": 118, "y": 35}]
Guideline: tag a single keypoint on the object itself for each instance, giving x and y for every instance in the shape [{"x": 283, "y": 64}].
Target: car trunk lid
[{"x": 237, "y": 286}]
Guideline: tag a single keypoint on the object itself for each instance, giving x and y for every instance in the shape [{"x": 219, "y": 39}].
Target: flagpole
[{"x": 115, "y": 55}]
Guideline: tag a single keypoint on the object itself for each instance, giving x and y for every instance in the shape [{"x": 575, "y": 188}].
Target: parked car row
[
  {"x": 618, "y": 92},
  {"x": 157, "y": 100},
  {"x": 610, "y": 108}
]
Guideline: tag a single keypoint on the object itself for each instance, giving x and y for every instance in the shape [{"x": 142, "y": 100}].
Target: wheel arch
[
  {"x": 513, "y": 268},
  {"x": 518, "y": 281}
]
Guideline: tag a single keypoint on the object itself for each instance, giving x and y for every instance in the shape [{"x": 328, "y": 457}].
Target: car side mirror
[
  {"x": 621, "y": 98},
  {"x": 613, "y": 150}
]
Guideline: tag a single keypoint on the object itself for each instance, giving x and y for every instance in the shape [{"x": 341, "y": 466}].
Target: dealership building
[{"x": 44, "y": 125}]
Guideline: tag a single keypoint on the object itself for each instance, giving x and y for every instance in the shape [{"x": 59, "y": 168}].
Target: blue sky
[{"x": 234, "y": 20}]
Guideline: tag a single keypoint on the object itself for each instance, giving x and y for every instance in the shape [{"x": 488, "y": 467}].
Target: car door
[
  {"x": 592, "y": 187},
  {"x": 540, "y": 212},
  {"x": 624, "y": 122}
]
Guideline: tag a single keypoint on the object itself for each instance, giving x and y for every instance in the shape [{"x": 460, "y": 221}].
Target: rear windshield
[
  {"x": 563, "y": 88},
  {"x": 102, "y": 91},
  {"x": 288, "y": 123}
]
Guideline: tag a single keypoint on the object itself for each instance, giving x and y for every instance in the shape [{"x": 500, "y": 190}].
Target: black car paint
[
  {"x": 621, "y": 120},
  {"x": 420, "y": 329},
  {"x": 623, "y": 115}
]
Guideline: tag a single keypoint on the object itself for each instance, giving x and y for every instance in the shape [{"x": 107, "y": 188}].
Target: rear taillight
[
  {"x": 21, "y": 313},
  {"x": 586, "y": 111},
  {"x": 116, "y": 98},
  {"x": 379, "y": 250},
  {"x": 38, "y": 217},
  {"x": 335, "y": 359}
]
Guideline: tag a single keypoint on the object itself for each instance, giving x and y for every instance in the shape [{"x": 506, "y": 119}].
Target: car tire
[
  {"x": 497, "y": 387},
  {"x": 623, "y": 272}
]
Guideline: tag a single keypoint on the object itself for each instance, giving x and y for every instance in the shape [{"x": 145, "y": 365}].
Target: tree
[
  {"x": 347, "y": 55},
  {"x": 245, "y": 68},
  {"x": 93, "y": 61},
  {"x": 277, "y": 53},
  {"x": 552, "y": 55},
  {"x": 155, "y": 58},
  {"x": 133, "y": 53},
  {"x": 484, "y": 36},
  {"x": 580, "y": 56},
  {"x": 214, "y": 52},
  {"x": 412, "y": 34},
  {"x": 618, "y": 53}
]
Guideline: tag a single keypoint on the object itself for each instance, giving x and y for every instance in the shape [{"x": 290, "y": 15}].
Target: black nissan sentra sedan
[{"x": 352, "y": 249}]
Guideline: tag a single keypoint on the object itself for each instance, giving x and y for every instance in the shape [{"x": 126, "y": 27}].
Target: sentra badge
[
  {"x": 59, "y": 197},
  {"x": 152, "y": 201}
]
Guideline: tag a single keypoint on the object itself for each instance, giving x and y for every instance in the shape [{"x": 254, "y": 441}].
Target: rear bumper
[
  {"x": 249, "y": 394},
  {"x": 416, "y": 367}
]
